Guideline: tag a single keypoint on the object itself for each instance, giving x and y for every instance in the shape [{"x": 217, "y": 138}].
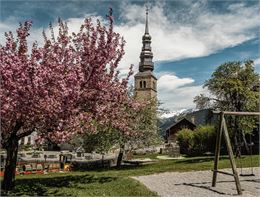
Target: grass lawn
[{"x": 113, "y": 181}]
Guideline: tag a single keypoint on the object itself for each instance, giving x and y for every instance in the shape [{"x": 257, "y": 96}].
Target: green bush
[
  {"x": 197, "y": 142},
  {"x": 185, "y": 140}
]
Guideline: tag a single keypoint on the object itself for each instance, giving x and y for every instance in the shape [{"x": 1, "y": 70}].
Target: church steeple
[
  {"x": 146, "y": 56},
  {"x": 145, "y": 80}
]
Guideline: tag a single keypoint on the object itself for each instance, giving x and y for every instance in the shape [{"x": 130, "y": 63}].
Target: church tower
[{"x": 145, "y": 81}]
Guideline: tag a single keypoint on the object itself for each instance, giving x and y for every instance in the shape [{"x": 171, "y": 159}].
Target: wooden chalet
[{"x": 171, "y": 131}]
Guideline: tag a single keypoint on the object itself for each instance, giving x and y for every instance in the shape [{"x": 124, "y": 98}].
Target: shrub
[
  {"x": 197, "y": 142},
  {"x": 185, "y": 140}
]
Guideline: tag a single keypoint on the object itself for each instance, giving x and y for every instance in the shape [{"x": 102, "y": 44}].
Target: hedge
[{"x": 197, "y": 142}]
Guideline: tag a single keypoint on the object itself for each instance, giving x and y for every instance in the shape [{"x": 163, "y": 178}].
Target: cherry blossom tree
[
  {"x": 142, "y": 121},
  {"x": 67, "y": 87}
]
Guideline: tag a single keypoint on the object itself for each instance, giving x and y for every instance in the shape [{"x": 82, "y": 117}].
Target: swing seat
[{"x": 247, "y": 174}]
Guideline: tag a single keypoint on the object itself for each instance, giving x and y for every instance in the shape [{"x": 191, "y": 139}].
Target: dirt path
[{"x": 198, "y": 184}]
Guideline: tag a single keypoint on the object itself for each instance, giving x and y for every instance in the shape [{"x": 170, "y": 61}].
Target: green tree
[
  {"x": 143, "y": 129},
  {"x": 142, "y": 119},
  {"x": 101, "y": 141},
  {"x": 147, "y": 130},
  {"x": 234, "y": 86}
]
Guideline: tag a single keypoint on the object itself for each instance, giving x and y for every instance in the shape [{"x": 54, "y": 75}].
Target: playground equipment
[
  {"x": 223, "y": 130},
  {"x": 248, "y": 147}
]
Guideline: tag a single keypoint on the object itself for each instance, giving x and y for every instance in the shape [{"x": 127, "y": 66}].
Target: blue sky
[
  {"x": 201, "y": 68},
  {"x": 189, "y": 38}
]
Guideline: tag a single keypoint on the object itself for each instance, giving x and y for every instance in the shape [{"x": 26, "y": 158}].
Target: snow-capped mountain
[
  {"x": 171, "y": 113},
  {"x": 176, "y": 113}
]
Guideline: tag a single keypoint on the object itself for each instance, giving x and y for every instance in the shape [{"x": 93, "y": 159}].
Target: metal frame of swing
[{"x": 223, "y": 130}]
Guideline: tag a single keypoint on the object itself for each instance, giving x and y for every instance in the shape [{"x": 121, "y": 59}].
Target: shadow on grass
[
  {"x": 122, "y": 167},
  {"x": 195, "y": 160},
  {"x": 190, "y": 160},
  {"x": 42, "y": 186}
]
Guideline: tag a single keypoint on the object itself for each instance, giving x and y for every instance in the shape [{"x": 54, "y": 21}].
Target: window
[
  {"x": 154, "y": 85},
  {"x": 29, "y": 140},
  {"x": 22, "y": 141},
  {"x": 141, "y": 84}
]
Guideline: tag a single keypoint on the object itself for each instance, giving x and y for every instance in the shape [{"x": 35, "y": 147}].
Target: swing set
[
  {"x": 224, "y": 131},
  {"x": 248, "y": 147}
]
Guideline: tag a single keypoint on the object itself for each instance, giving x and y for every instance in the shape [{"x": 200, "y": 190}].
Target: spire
[
  {"x": 146, "y": 21},
  {"x": 146, "y": 56}
]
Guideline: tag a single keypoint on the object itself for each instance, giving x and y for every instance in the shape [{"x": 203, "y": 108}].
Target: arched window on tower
[
  {"x": 141, "y": 84},
  {"x": 22, "y": 141},
  {"x": 29, "y": 140},
  {"x": 144, "y": 84},
  {"x": 154, "y": 85}
]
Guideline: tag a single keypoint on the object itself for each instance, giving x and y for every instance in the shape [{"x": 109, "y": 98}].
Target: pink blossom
[{"x": 68, "y": 86}]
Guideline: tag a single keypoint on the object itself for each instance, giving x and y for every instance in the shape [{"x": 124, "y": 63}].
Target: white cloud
[
  {"x": 172, "y": 40},
  {"x": 257, "y": 64},
  {"x": 170, "y": 82},
  {"x": 196, "y": 33},
  {"x": 205, "y": 33},
  {"x": 177, "y": 93},
  {"x": 199, "y": 32},
  {"x": 175, "y": 36},
  {"x": 257, "y": 61}
]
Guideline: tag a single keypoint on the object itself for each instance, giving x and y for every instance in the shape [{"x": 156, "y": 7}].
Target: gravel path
[{"x": 198, "y": 184}]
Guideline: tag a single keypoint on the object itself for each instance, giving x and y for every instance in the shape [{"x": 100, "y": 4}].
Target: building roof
[
  {"x": 200, "y": 117},
  {"x": 181, "y": 120}
]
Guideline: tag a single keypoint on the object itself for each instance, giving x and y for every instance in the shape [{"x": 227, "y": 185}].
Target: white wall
[{"x": 28, "y": 139}]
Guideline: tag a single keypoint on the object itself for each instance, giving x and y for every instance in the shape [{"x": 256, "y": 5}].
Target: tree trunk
[
  {"x": 245, "y": 143},
  {"x": 10, "y": 166},
  {"x": 120, "y": 156}
]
